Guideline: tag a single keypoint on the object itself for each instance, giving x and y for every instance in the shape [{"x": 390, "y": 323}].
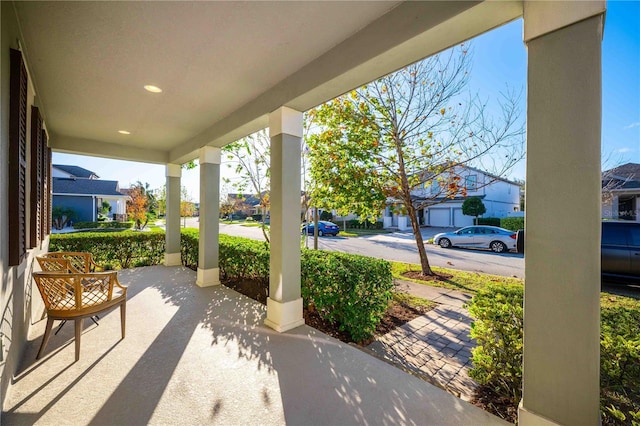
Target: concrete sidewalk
[
  {"x": 436, "y": 345},
  {"x": 203, "y": 356}
]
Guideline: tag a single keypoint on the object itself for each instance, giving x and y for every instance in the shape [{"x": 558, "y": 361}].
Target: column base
[
  {"x": 172, "y": 259},
  {"x": 284, "y": 316},
  {"x": 526, "y": 418},
  {"x": 208, "y": 277}
]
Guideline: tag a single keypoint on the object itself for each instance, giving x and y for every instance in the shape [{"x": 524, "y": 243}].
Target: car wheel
[
  {"x": 445, "y": 243},
  {"x": 498, "y": 247},
  {"x": 320, "y": 233}
]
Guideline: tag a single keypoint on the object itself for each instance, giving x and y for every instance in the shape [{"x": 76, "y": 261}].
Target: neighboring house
[
  {"x": 82, "y": 191},
  {"x": 500, "y": 196},
  {"x": 246, "y": 205},
  {"x": 621, "y": 192}
]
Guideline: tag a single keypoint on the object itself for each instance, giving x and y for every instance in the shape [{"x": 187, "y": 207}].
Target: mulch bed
[
  {"x": 397, "y": 314},
  {"x": 495, "y": 404},
  {"x": 417, "y": 275}
]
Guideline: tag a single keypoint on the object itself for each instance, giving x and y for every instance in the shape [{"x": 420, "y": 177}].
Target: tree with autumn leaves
[
  {"x": 141, "y": 205},
  {"x": 406, "y": 131}
]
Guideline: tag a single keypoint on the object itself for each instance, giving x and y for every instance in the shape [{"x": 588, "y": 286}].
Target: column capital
[
  {"x": 210, "y": 154},
  {"x": 173, "y": 170},
  {"x": 543, "y": 17},
  {"x": 285, "y": 120}
]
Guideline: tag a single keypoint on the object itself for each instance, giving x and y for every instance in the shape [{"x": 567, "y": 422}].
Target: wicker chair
[
  {"x": 68, "y": 261},
  {"x": 76, "y": 296}
]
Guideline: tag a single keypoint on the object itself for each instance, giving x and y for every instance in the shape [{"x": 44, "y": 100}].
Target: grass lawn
[{"x": 468, "y": 282}]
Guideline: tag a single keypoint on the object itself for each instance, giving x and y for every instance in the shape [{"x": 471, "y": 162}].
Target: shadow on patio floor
[{"x": 200, "y": 356}]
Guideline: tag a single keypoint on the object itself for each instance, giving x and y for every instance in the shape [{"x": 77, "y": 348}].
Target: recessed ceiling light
[
  {"x": 153, "y": 89},
  {"x": 124, "y": 132}
]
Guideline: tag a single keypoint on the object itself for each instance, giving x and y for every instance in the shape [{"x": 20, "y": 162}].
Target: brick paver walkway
[{"x": 436, "y": 345}]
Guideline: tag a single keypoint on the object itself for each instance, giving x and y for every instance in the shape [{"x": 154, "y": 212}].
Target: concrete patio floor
[{"x": 203, "y": 356}]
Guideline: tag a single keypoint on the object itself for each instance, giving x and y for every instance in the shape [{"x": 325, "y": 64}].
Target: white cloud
[
  {"x": 625, "y": 149},
  {"x": 632, "y": 125}
]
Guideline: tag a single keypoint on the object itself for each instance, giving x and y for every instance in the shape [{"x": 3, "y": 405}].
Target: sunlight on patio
[{"x": 202, "y": 355}]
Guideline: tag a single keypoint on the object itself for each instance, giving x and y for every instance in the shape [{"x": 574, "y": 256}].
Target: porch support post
[
  {"x": 172, "y": 216},
  {"x": 284, "y": 306},
  {"x": 208, "y": 271},
  {"x": 562, "y": 269}
]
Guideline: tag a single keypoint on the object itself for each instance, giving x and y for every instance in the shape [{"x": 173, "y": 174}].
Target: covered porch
[
  {"x": 203, "y": 355},
  {"x": 79, "y": 71}
]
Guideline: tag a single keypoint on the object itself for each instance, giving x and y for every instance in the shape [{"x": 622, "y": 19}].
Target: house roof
[
  {"x": 86, "y": 186},
  {"x": 626, "y": 176},
  {"x": 76, "y": 171}
]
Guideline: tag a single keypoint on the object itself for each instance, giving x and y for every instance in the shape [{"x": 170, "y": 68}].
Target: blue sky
[{"x": 499, "y": 61}]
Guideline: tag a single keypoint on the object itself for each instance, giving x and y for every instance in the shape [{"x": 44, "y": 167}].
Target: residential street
[{"x": 400, "y": 246}]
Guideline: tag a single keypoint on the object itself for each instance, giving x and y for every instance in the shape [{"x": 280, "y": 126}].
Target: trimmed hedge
[
  {"x": 100, "y": 225},
  {"x": 356, "y": 224},
  {"x": 512, "y": 223},
  {"x": 488, "y": 221},
  {"x": 350, "y": 290},
  {"x": 114, "y": 250}
]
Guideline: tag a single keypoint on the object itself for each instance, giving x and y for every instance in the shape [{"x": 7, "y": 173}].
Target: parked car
[
  {"x": 494, "y": 238},
  {"x": 620, "y": 249},
  {"x": 324, "y": 228}
]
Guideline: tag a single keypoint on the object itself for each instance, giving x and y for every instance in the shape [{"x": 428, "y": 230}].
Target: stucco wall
[{"x": 20, "y": 303}]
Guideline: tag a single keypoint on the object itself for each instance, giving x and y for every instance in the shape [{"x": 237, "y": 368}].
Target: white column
[
  {"x": 284, "y": 306},
  {"x": 562, "y": 266},
  {"x": 208, "y": 270},
  {"x": 172, "y": 215}
]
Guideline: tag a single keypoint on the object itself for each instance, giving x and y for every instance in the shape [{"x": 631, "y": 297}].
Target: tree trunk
[
  {"x": 264, "y": 225},
  {"x": 315, "y": 228},
  {"x": 424, "y": 260}
]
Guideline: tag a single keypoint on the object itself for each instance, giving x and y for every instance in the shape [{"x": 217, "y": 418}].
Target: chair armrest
[{"x": 93, "y": 266}]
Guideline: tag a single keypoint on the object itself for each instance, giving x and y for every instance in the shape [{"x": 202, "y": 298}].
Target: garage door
[
  {"x": 439, "y": 217},
  {"x": 460, "y": 220}
]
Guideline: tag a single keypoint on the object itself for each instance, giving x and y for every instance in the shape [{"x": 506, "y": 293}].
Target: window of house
[
  {"x": 471, "y": 182},
  {"x": 17, "y": 160}
]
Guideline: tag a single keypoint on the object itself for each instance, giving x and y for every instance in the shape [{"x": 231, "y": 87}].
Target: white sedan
[{"x": 493, "y": 238}]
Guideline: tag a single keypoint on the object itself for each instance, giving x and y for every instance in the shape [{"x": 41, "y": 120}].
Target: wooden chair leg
[
  {"x": 78, "y": 334},
  {"x": 45, "y": 338},
  {"x": 123, "y": 316}
]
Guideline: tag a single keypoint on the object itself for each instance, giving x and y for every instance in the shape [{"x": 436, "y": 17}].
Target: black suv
[{"x": 620, "y": 249}]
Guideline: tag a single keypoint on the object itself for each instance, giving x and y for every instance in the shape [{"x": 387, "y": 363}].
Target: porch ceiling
[{"x": 223, "y": 66}]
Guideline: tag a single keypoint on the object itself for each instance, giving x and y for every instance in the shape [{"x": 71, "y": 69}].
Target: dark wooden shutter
[
  {"x": 46, "y": 188},
  {"x": 17, "y": 160},
  {"x": 36, "y": 178}
]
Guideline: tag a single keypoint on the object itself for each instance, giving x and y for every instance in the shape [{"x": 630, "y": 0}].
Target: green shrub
[
  {"x": 352, "y": 291},
  {"x": 620, "y": 363},
  {"x": 512, "y": 223},
  {"x": 497, "y": 328},
  {"x": 102, "y": 225},
  {"x": 497, "y": 360},
  {"x": 115, "y": 249},
  {"x": 356, "y": 224},
  {"x": 488, "y": 221},
  {"x": 241, "y": 258},
  {"x": 190, "y": 248},
  {"x": 326, "y": 215}
]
